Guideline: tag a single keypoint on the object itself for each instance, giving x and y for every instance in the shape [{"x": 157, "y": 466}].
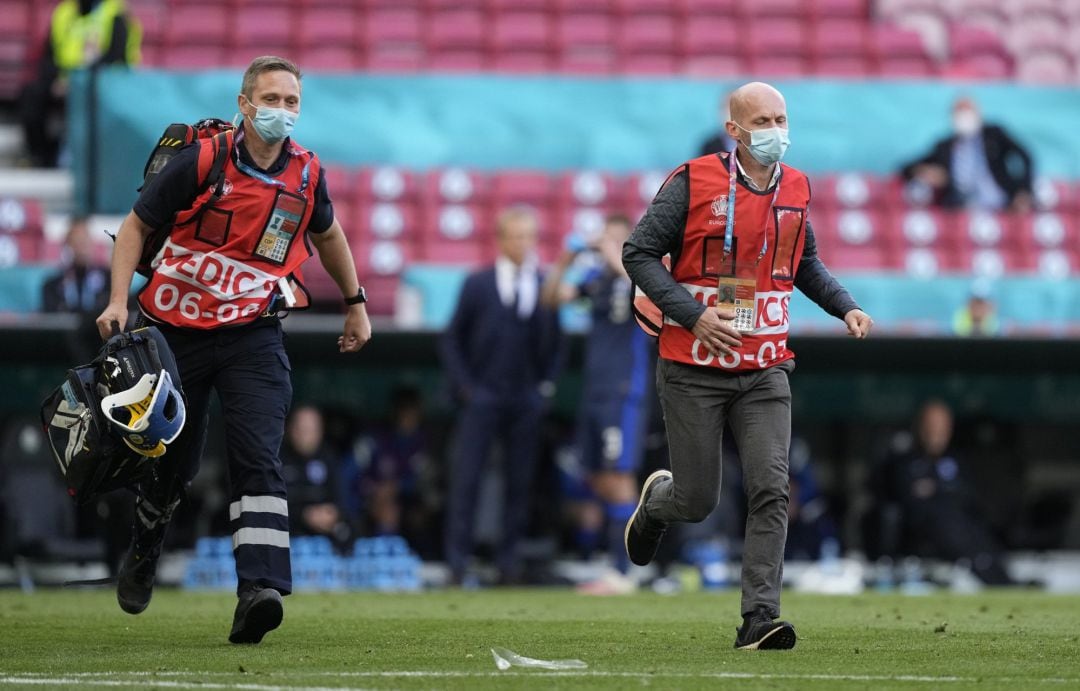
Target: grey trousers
[{"x": 697, "y": 401}]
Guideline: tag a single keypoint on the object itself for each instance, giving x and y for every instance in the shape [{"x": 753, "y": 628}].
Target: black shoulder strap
[{"x": 216, "y": 178}]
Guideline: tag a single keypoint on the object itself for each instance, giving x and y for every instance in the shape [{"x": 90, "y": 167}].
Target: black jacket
[{"x": 1010, "y": 164}]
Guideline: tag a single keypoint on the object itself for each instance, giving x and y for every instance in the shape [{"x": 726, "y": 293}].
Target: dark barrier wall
[{"x": 880, "y": 380}]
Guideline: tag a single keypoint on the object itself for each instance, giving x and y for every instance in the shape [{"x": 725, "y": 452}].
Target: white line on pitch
[{"x": 139, "y": 678}]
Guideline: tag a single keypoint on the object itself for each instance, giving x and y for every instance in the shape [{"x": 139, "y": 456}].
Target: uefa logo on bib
[{"x": 719, "y": 206}]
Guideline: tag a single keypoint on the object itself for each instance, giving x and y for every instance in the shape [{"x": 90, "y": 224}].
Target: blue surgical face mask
[
  {"x": 767, "y": 146},
  {"x": 273, "y": 124}
]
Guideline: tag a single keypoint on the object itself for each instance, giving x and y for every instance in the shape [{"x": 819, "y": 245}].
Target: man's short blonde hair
[{"x": 266, "y": 63}]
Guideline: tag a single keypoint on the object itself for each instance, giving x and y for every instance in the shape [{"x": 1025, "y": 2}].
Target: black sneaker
[
  {"x": 760, "y": 632},
  {"x": 258, "y": 612},
  {"x": 642, "y": 536},
  {"x": 135, "y": 580}
]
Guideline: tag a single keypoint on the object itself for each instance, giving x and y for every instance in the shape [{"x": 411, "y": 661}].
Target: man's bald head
[{"x": 755, "y": 101}]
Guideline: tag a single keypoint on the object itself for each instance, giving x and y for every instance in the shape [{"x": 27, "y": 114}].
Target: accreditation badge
[
  {"x": 740, "y": 295},
  {"x": 282, "y": 227}
]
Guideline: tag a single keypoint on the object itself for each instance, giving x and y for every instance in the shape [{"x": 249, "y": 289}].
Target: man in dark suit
[
  {"x": 501, "y": 351},
  {"x": 80, "y": 287},
  {"x": 979, "y": 166}
]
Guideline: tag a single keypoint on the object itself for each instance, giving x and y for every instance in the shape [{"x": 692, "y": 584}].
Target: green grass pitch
[{"x": 443, "y": 640}]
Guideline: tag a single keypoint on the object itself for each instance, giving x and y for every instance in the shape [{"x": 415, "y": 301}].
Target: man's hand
[
  {"x": 716, "y": 332},
  {"x": 357, "y": 330},
  {"x": 932, "y": 175},
  {"x": 858, "y": 323},
  {"x": 114, "y": 312}
]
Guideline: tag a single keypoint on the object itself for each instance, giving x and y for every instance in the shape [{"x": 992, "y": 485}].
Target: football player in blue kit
[{"x": 618, "y": 380}]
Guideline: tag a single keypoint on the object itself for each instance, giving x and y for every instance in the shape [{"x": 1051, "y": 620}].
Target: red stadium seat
[
  {"x": 585, "y": 188},
  {"x": 521, "y": 32},
  {"x": 778, "y": 66},
  {"x": 650, "y": 34},
  {"x": 322, "y": 26},
  {"x": 584, "y": 43},
  {"x": 966, "y": 41},
  {"x": 855, "y": 66},
  {"x": 893, "y": 42},
  {"x": 852, "y": 240},
  {"x": 854, "y": 9},
  {"x": 329, "y": 58},
  {"x": 997, "y": 67},
  {"x": 197, "y": 24},
  {"x": 15, "y": 19},
  {"x": 387, "y": 184},
  {"x": 457, "y": 223},
  {"x": 794, "y": 9},
  {"x": 638, "y": 8},
  {"x": 1047, "y": 231},
  {"x": 572, "y": 7},
  {"x": 1045, "y": 67},
  {"x": 455, "y": 186},
  {"x": 511, "y": 187},
  {"x": 834, "y": 38},
  {"x": 181, "y": 57},
  {"x": 339, "y": 182},
  {"x": 777, "y": 38},
  {"x": 535, "y": 6},
  {"x": 22, "y": 237},
  {"x": 1055, "y": 195},
  {"x": 393, "y": 39},
  {"x": 456, "y": 29},
  {"x": 709, "y": 8},
  {"x": 398, "y": 221},
  {"x": 713, "y": 65},
  {"x": 710, "y": 37},
  {"x": 271, "y": 29}
]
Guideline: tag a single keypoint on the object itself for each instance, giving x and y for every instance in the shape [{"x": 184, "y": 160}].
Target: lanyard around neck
[
  {"x": 263, "y": 177},
  {"x": 729, "y": 233}
]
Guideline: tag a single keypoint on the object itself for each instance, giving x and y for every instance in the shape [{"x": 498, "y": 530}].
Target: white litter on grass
[{"x": 505, "y": 659}]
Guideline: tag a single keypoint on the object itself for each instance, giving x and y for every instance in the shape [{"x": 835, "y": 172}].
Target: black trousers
[
  {"x": 516, "y": 422},
  {"x": 248, "y": 368}
]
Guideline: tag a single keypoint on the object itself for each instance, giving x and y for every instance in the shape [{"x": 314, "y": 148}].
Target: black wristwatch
[{"x": 358, "y": 299}]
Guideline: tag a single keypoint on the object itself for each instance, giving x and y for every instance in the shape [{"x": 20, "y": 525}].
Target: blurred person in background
[
  {"x": 80, "y": 287},
  {"x": 978, "y": 315},
  {"x": 810, "y": 524},
  {"x": 979, "y": 166},
  {"x": 938, "y": 514},
  {"x": 313, "y": 474},
  {"x": 395, "y": 481},
  {"x": 501, "y": 351},
  {"x": 614, "y": 405},
  {"x": 82, "y": 34},
  {"x": 733, "y": 221},
  {"x": 720, "y": 141},
  {"x": 227, "y": 336}
]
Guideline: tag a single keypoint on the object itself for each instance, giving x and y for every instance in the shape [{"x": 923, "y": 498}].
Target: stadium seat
[
  {"x": 1054, "y": 195},
  {"x": 15, "y": 19},
  {"x": 455, "y": 186},
  {"x": 511, "y": 187},
  {"x": 328, "y": 26},
  {"x": 711, "y": 38},
  {"x": 639, "y": 8},
  {"x": 182, "y": 57},
  {"x": 456, "y": 30},
  {"x": 584, "y": 188},
  {"x": 22, "y": 238},
  {"x": 584, "y": 43},
  {"x": 567, "y": 8},
  {"x": 329, "y": 58},
  {"x": 855, "y": 66},
  {"x": 1046, "y": 231},
  {"x": 986, "y": 66},
  {"x": 268, "y": 28},
  {"x": 521, "y": 42},
  {"x": 457, "y": 223},
  {"x": 701, "y": 9},
  {"x": 842, "y": 9},
  {"x": 794, "y": 9},
  {"x": 648, "y": 35},
  {"x": 839, "y": 38},
  {"x": 386, "y": 184},
  {"x": 851, "y": 240},
  {"x": 1045, "y": 67},
  {"x": 339, "y": 182},
  {"x": 388, "y": 221},
  {"x": 197, "y": 24},
  {"x": 393, "y": 40}
]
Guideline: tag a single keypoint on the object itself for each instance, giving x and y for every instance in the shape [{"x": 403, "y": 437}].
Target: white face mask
[
  {"x": 767, "y": 146},
  {"x": 966, "y": 123}
]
